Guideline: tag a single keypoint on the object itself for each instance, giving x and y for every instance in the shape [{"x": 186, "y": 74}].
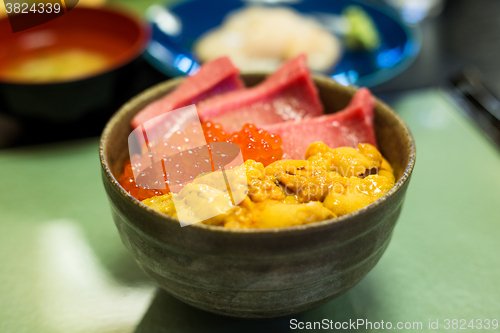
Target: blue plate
[{"x": 176, "y": 28}]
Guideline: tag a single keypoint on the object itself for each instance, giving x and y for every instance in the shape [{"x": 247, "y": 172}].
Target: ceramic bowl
[{"x": 258, "y": 273}]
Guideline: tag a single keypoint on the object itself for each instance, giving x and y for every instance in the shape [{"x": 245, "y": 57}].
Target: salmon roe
[
  {"x": 256, "y": 144},
  {"x": 127, "y": 181},
  {"x": 214, "y": 132}
]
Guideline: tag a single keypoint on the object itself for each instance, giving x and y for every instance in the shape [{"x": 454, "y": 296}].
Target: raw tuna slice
[
  {"x": 214, "y": 78},
  {"x": 345, "y": 128},
  {"x": 288, "y": 94}
]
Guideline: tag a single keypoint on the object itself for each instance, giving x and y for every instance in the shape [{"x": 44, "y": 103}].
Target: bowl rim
[
  {"x": 341, "y": 220},
  {"x": 136, "y": 49}
]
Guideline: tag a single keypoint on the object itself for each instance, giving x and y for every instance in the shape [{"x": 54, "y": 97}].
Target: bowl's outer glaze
[{"x": 258, "y": 273}]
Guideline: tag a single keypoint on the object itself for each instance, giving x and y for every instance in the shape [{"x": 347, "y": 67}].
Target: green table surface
[{"x": 64, "y": 269}]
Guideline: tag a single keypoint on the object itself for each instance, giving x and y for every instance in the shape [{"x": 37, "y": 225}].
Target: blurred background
[
  {"x": 446, "y": 37},
  {"x": 63, "y": 267}
]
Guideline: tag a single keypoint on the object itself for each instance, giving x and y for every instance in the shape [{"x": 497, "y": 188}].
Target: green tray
[{"x": 64, "y": 269}]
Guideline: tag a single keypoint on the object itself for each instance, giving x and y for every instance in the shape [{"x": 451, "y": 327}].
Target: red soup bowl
[{"x": 112, "y": 34}]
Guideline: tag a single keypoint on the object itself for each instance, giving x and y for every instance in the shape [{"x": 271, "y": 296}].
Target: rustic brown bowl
[{"x": 258, "y": 273}]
